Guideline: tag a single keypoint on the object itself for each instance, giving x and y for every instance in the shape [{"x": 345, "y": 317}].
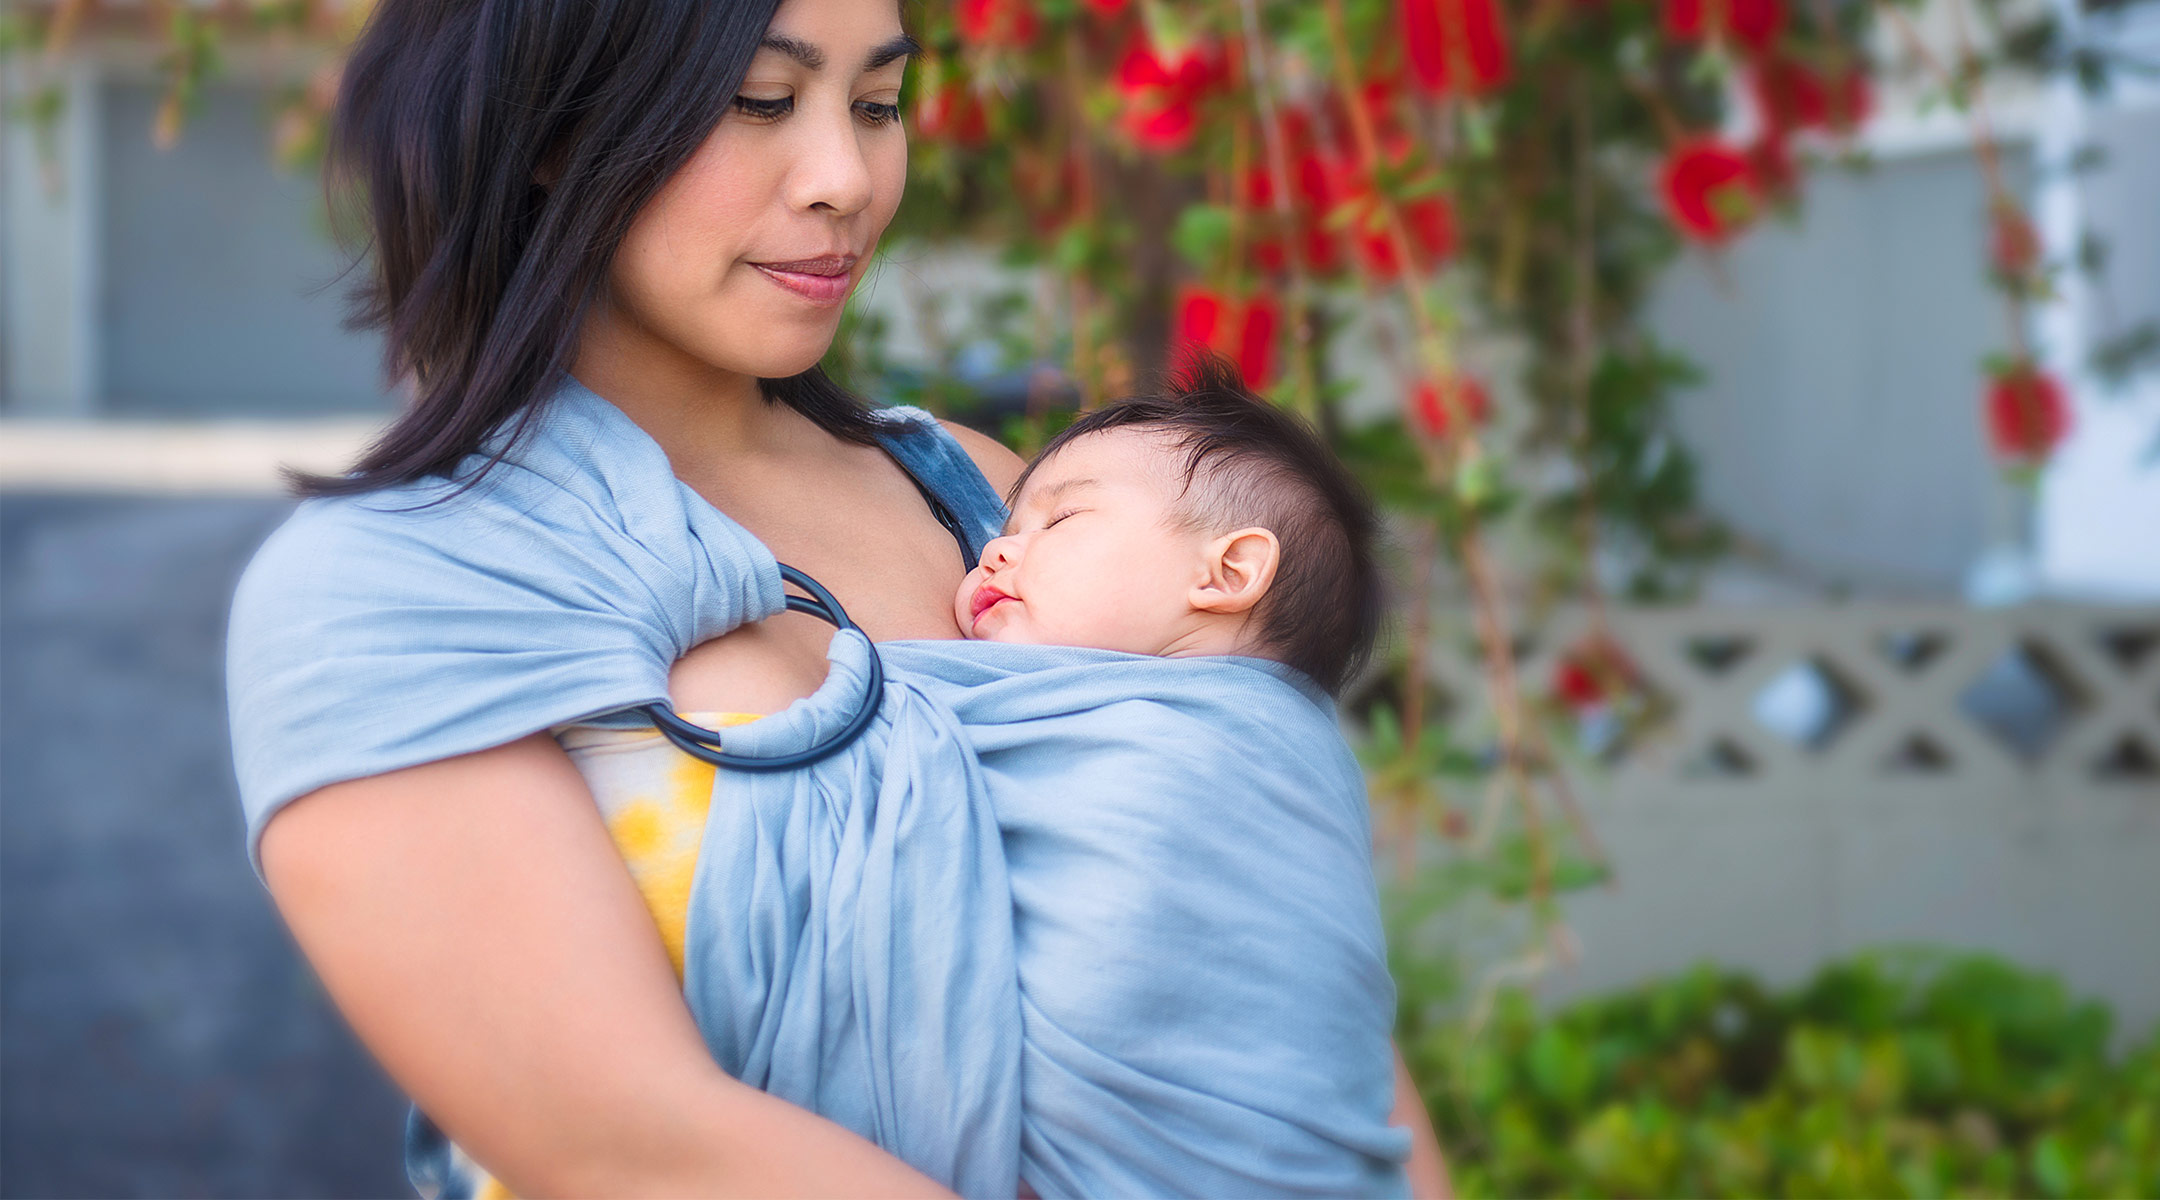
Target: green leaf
[
  {"x": 1202, "y": 234},
  {"x": 1074, "y": 247},
  {"x": 1477, "y": 481}
]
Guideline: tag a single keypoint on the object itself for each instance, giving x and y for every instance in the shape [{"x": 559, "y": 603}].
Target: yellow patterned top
[{"x": 654, "y": 798}]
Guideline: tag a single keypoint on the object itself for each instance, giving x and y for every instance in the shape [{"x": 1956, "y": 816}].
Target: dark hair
[
  {"x": 1248, "y": 462},
  {"x": 449, "y": 113}
]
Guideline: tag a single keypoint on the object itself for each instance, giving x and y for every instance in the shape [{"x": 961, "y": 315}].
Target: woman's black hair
[{"x": 449, "y": 116}]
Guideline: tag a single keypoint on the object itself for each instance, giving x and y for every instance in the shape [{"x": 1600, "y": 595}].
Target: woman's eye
[
  {"x": 764, "y": 110},
  {"x": 874, "y": 113}
]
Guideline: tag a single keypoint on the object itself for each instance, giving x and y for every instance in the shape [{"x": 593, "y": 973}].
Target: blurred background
[{"x": 1765, "y": 395}]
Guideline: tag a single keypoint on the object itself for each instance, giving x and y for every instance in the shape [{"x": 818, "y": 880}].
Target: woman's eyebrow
[
  {"x": 809, "y": 56},
  {"x": 813, "y": 59},
  {"x": 892, "y": 52}
]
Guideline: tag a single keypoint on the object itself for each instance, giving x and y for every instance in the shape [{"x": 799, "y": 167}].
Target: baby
[
  {"x": 1204, "y": 523},
  {"x": 1116, "y": 838}
]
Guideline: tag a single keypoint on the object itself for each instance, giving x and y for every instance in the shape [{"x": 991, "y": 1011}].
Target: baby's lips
[{"x": 985, "y": 597}]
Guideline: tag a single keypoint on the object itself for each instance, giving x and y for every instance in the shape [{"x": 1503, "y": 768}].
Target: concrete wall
[
  {"x": 196, "y": 282},
  {"x": 1839, "y": 426},
  {"x": 221, "y": 292},
  {"x": 1980, "y": 779}
]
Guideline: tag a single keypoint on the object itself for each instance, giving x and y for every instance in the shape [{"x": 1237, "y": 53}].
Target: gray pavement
[{"x": 158, "y": 1034}]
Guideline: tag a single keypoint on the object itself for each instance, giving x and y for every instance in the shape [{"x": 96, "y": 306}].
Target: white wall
[{"x": 220, "y": 289}]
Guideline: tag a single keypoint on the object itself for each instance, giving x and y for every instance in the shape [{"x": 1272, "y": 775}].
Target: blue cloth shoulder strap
[
  {"x": 964, "y": 502},
  {"x": 411, "y": 625}
]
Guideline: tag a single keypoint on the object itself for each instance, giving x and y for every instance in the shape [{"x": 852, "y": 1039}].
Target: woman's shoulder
[
  {"x": 369, "y": 635},
  {"x": 334, "y": 545},
  {"x": 962, "y": 469},
  {"x": 998, "y": 464}
]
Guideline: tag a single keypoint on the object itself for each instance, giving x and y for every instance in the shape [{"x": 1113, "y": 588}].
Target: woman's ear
[{"x": 1240, "y": 570}]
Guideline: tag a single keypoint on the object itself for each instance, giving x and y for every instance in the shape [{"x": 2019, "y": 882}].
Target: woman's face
[{"x": 743, "y": 259}]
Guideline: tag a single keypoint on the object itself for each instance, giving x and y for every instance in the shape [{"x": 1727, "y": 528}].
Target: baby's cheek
[
  {"x": 963, "y": 604},
  {"x": 960, "y": 606}
]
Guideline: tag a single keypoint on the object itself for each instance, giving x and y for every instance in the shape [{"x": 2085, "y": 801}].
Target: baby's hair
[{"x": 1248, "y": 463}]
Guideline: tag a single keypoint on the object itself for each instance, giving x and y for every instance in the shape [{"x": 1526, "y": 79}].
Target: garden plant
[{"x": 1486, "y": 191}]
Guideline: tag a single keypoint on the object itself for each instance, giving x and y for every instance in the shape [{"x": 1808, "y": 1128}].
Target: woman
[{"x": 665, "y": 201}]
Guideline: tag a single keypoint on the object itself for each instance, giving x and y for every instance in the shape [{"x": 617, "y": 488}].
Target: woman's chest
[{"x": 869, "y": 536}]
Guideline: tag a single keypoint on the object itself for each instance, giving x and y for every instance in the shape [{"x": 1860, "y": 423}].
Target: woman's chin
[{"x": 792, "y": 355}]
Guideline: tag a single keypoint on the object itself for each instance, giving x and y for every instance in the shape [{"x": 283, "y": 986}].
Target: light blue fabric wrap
[
  {"x": 371, "y": 633},
  {"x": 1134, "y": 893},
  {"x": 1099, "y": 921}
]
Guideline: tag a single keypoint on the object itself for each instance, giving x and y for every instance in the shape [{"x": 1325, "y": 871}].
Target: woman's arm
[
  {"x": 1427, "y": 1170},
  {"x": 475, "y": 924}
]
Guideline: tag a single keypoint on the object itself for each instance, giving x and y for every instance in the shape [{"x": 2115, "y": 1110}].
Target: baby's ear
[{"x": 1240, "y": 570}]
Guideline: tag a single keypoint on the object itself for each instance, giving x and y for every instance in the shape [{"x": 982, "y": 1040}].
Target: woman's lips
[{"x": 816, "y": 287}]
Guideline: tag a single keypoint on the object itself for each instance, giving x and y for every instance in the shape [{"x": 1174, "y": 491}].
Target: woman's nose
[{"x": 833, "y": 173}]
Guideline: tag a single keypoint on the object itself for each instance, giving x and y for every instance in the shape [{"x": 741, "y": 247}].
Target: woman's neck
[{"x": 697, "y": 412}]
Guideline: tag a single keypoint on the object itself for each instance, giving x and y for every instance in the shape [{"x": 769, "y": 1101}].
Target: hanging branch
[
  {"x": 1303, "y": 317},
  {"x": 1444, "y": 464}
]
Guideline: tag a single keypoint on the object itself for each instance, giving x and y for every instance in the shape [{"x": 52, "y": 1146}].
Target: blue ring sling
[
  {"x": 702, "y": 743},
  {"x": 1092, "y": 864}
]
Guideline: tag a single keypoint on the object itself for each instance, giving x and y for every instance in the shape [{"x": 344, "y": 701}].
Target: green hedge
[{"x": 1906, "y": 1073}]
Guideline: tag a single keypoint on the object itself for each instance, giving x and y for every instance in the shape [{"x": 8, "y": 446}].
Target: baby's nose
[{"x": 998, "y": 553}]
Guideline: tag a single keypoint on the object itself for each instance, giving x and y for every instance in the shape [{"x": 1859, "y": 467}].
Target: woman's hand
[{"x": 476, "y": 925}]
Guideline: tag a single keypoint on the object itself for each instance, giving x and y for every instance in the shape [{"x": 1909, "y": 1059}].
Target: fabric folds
[
  {"x": 1134, "y": 893},
  {"x": 1098, "y": 922}
]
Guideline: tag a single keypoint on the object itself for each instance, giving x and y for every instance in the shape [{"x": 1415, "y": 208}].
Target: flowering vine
[{"x": 1245, "y": 175}]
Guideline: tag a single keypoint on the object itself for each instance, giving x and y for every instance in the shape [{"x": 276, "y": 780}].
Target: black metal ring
[{"x": 700, "y": 742}]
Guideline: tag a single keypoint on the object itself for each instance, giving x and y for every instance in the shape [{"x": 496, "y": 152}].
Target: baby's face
[{"x": 1091, "y": 556}]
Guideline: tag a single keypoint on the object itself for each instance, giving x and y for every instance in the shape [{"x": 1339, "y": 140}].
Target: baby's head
[{"x": 1203, "y": 521}]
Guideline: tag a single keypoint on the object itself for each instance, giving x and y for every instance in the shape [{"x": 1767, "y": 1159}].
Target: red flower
[
  {"x": 1200, "y": 316},
  {"x": 1381, "y": 98},
  {"x": 1256, "y": 341},
  {"x": 1321, "y": 249},
  {"x": 1320, "y": 184},
  {"x": 1317, "y": 180},
  {"x": 1444, "y": 38},
  {"x": 1162, "y": 94},
  {"x": 2028, "y": 414},
  {"x": 1575, "y": 685},
  {"x": 1431, "y": 221},
  {"x": 1428, "y": 221},
  {"x": 1793, "y": 95},
  {"x": 1711, "y": 190},
  {"x": 1108, "y": 8},
  {"x": 1376, "y": 250},
  {"x": 953, "y": 112},
  {"x": 1161, "y": 129},
  {"x": 996, "y": 22},
  {"x": 1267, "y": 250},
  {"x": 1245, "y": 332},
  {"x": 2013, "y": 243},
  {"x": 1753, "y": 23},
  {"x": 1587, "y": 675},
  {"x": 1433, "y": 405}
]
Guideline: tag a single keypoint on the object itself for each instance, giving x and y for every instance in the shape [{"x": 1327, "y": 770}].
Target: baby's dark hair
[{"x": 1247, "y": 463}]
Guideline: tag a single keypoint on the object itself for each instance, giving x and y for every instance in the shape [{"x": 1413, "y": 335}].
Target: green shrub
[{"x": 1906, "y": 1073}]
